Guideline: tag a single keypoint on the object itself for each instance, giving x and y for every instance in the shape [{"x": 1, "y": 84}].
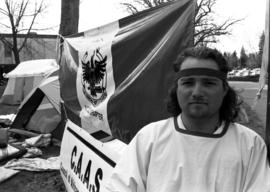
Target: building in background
[{"x": 39, "y": 46}]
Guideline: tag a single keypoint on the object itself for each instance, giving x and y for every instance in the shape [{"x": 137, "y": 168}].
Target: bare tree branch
[
  {"x": 4, "y": 12},
  {"x": 148, "y": 3},
  {"x": 5, "y": 41},
  {"x": 206, "y": 29},
  {"x": 38, "y": 10},
  {"x": 16, "y": 12},
  {"x": 7, "y": 26},
  {"x": 37, "y": 29},
  {"x": 144, "y": 4},
  {"x": 130, "y": 8}
]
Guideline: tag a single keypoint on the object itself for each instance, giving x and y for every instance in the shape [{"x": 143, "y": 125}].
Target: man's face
[{"x": 200, "y": 96}]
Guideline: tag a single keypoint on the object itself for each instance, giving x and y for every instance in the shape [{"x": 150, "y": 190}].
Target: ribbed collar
[{"x": 179, "y": 126}]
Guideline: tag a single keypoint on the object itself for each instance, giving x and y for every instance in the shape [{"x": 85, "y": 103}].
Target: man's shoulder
[
  {"x": 245, "y": 132},
  {"x": 161, "y": 122},
  {"x": 156, "y": 126}
]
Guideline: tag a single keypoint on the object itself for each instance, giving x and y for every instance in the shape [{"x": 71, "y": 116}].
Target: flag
[{"x": 114, "y": 79}]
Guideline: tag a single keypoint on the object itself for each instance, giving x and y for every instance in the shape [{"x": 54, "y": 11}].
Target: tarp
[
  {"x": 114, "y": 79},
  {"x": 25, "y": 77},
  {"x": 38, "y": 67}
]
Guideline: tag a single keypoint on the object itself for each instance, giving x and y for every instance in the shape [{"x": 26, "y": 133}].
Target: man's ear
[{"x": 226, "y": 88}]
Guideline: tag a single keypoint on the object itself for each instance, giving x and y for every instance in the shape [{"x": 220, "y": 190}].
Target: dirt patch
[{"x": 27, "y": 181}]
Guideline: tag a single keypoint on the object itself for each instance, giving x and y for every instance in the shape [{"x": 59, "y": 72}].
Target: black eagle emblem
[{"x": 94, "y": 71}]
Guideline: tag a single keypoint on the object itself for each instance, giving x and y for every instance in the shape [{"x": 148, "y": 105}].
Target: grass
[{"x": 254, "y": 122}]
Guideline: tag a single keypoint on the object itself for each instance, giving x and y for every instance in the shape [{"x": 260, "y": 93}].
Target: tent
[
  {"x": 25, "y": 77},
  {"x": 40, "y": 111}
]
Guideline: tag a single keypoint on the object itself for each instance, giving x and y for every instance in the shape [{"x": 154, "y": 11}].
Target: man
[{"x": 200, "y": 148}]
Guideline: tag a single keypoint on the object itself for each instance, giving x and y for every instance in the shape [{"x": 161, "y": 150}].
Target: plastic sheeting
[{"x": 34, "y": 164}]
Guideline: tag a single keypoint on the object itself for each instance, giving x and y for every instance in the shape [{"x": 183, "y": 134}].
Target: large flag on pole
[{"x": 114, "y": 79}]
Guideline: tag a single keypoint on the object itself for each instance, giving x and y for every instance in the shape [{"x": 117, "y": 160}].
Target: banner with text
[{"x": 86, "y": 163}]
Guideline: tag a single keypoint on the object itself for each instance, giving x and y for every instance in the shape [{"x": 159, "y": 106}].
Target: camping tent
[
  {"x": 25, "y": 77},
  {"x": 40, "y": 110}
]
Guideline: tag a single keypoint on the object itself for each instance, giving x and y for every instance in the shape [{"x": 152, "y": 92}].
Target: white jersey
[{"x": 164, "y": 157}]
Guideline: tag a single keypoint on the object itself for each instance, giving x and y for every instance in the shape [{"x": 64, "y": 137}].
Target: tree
[
  {"x": 69, "y": 17},
  {"x": 232, "y": 59},
  {"x": 22, "y": 16},
  {"x": 206, "y": 29},
  {"x": 243, "y": 58},
  {"x": 253, "y": 60}
]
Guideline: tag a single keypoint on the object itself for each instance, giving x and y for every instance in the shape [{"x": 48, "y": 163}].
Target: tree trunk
[
  {"x": 15, "y": 50},
  {"x": 69, "y": 17},
  {"x": 16, "y": 56}
]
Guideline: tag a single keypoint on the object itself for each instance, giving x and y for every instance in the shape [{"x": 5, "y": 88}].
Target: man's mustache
[{"x": 198, "y": 100}]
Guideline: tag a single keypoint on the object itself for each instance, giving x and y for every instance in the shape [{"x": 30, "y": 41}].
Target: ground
[{"x": 27, "y": 181}]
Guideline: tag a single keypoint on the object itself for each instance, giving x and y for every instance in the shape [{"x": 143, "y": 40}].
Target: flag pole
[{"x": 267, "y": 135}]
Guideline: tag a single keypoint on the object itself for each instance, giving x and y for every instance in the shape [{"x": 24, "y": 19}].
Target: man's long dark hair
[{"x": 231, "y": 102}]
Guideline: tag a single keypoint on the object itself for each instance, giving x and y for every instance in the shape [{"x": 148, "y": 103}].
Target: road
[{"x": 248, "y": 90}]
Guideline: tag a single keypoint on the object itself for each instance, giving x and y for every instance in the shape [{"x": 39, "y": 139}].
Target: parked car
[{"x": 255, "y": 71}]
